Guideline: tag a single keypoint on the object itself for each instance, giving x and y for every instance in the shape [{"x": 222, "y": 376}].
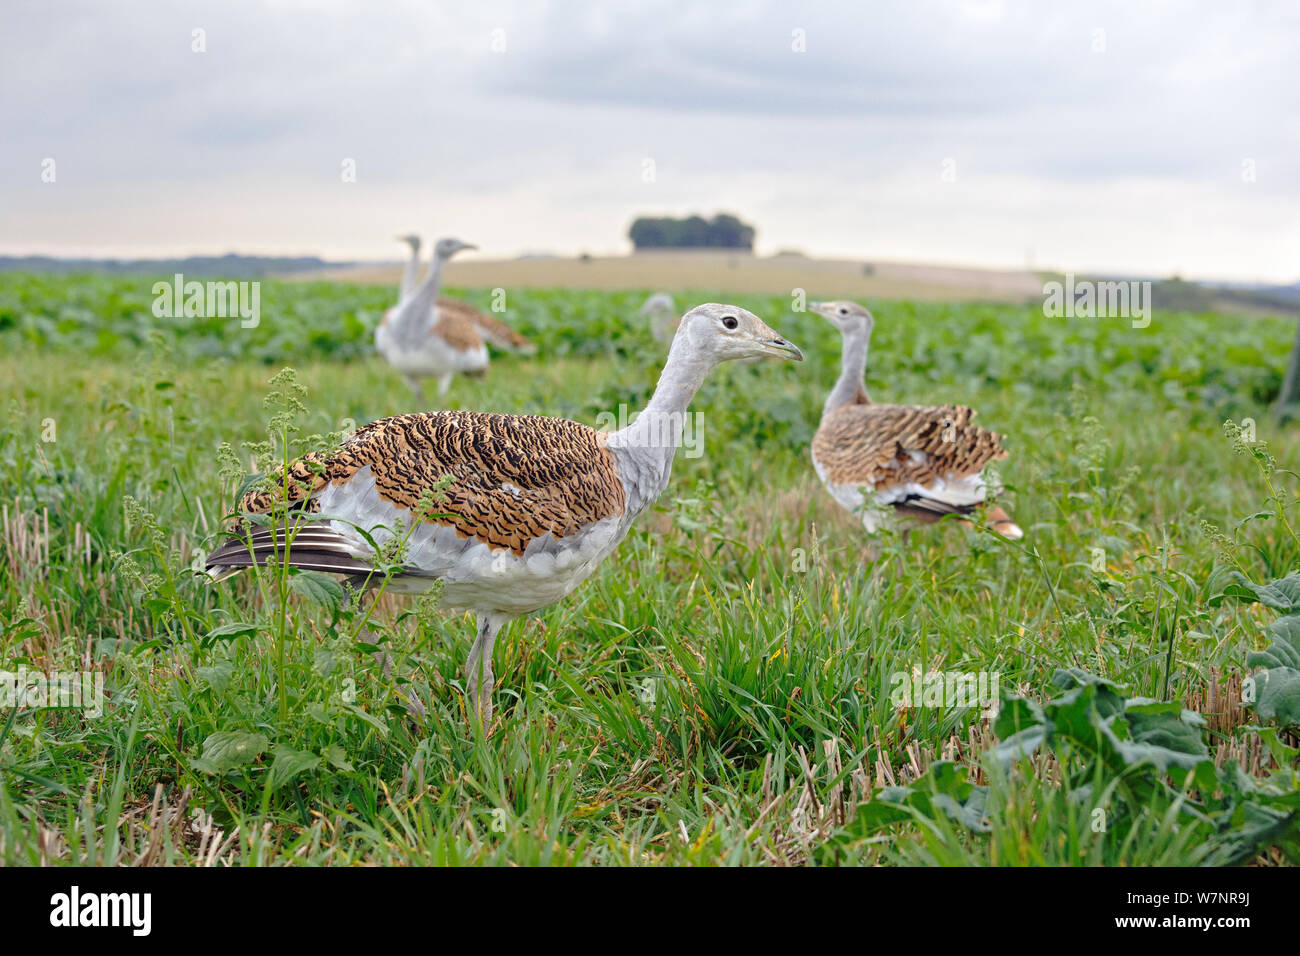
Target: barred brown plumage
[
  {"x": 514, "y": 478},
  {"x": 869, "y": 444},
  {"x": 921, "y": 461},
  {"x": 456, "y": 330},
  {"x": 492, "y": 329}
]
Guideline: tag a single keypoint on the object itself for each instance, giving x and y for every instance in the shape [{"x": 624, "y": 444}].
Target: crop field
[{"x": 748, "y": 680}]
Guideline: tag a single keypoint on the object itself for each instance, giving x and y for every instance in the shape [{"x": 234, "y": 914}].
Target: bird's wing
[
  {"x": 925, "y": 458},
  {"x": 494, "y": 330},
  {"x": 456, "y": 329},
  {"x": 513, "y": 478}
]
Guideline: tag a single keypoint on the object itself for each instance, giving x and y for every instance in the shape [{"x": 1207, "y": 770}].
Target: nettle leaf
[
  {"x": 227, "y": 750},
  {"x": 319, "y": 587},
  {"x": 218, "y": 675},
  {"x": 290, "y": 762},
  {"x": 1281, "y": 595},
  {"x": 337, "y": 757}
]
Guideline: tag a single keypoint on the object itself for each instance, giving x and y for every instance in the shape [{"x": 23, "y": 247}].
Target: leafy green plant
[
  {"x": 1274, "y": 692},
  {"x": 1123, "y": 759}
]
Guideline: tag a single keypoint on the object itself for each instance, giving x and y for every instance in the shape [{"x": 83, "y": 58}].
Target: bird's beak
[
  {"x": 819, "y": 308},
  {"x": 467, "y": 245},
  {"x": 775, "y": 345}
]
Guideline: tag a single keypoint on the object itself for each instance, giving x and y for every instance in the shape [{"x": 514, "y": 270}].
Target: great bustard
[
  {"x": 662, "y": 312},
  {"x": 534, "y": 504},
  {"x": 493, "y": 330},
  {"x": 421, "y": 341},
  {"x": 916, "y": 463}
]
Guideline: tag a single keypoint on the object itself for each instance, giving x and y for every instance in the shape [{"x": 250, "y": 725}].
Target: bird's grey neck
[
  {"x": 853, "y": 367},
  {"x": 645, "y": 448},
  {"x": 417, "y": 313},
  {"x": 412, "y": 271},
  {"x": 433, "y": 282}
]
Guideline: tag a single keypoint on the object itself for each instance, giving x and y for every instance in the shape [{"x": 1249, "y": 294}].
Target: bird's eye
[
  {"x": 729, "y": 322},
  {"x": 844, "y": 311}
]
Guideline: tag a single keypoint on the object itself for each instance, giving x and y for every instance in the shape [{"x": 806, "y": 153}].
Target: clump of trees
[{"x": 723, "y": 231}]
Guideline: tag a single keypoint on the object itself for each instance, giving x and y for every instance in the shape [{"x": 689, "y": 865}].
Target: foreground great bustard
[
  {"x": 916, "y": 463},
  {"x": 493, "y": 330},
  {"x": 662, "y": 312},
  {"x": 534, "y": 504}
]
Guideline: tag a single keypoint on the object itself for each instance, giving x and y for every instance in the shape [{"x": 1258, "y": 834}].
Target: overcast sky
[{"x": 1124, "y": 137}]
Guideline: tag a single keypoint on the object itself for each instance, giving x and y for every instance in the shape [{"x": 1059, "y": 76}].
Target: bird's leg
[
  {"x": 416, "y": 389},
  {"x": 444, "y": 383},
  {"x": 478, "y": 669}
]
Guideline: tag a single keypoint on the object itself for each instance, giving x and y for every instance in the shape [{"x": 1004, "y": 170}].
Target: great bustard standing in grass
[
  {"x": 420, "y": 341},
  {"x": 662, "y": 311},
  {"x": 916, "y": 463},
  {"x": 534, "y": 504},
  {"x": 491, "y": 329}
]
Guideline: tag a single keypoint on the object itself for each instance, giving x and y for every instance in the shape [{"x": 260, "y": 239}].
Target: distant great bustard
[
  {"x": 662, "y": 311},
  {"x": 493, "y": 330},
  {"x": 914, "y": 462},
  {"x": 534, "y": 504},
  {"x": 422, "y": 341}
]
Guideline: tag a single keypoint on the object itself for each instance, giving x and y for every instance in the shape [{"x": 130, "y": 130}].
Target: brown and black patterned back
[
  {"x": 491, "y": 328},
  {"x": 514, "y": 477},
  {"x": 856, "y": 444}
]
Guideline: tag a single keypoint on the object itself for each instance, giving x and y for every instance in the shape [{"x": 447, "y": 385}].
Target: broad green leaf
[
  {"x": 1277, "y": 695},
  {"x": 289, "y": 762},
  {"x": 1284, "y": 754},
  {"x": 1284, "y": 651},
  {"x": 228, "y": 632},
  {"x": 942, "y": 790},
  {"x": 1281, "y": 595},
  {"x": 319, "y": 587},
  {"x": 336, "y": 756},
  {"x": 323, "y": 662},
  {"x": 218, "y": 675},
  {"x": 228, "y": 749}
]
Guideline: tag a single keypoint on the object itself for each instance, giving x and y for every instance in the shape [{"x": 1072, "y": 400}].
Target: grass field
[
  {"x": 687, "y": 270},
  {"x": 724, "y": 689}
]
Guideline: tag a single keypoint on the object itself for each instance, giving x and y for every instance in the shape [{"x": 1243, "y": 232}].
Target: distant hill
[
  {"x": 1276, "y": 293},
  {"x": 1179, "y": 294},
  {"x": 231, "y": 265}
]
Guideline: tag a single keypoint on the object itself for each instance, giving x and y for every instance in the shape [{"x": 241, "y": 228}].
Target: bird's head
[
  {"x": 449, "y": 247},
  {"x": 721, "y": 333},
  {"x": 411, "y": 240},
  {"x": 659, "y": 302},
  {"x": 848, "y": 317}
]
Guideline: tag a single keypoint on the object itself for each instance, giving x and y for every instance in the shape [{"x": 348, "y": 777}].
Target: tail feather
[
  {"x": 929, "y": 510},
  {"x": 314, "y": 548}
]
